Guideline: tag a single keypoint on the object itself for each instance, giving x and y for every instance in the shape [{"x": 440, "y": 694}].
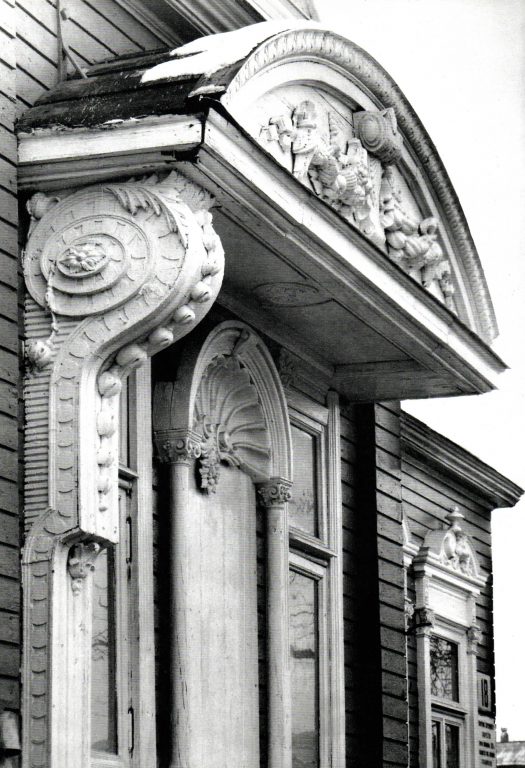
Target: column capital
[
  {"x": 423, "y": 620},
  {"x": 178, "y": 446},
  {"x": 274, "y": 492},
  {"x": 474, "y": 637}
]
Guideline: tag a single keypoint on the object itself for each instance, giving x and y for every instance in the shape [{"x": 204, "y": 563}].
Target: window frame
[
  {"x": 133, "y": 557},
  {"x": 321, "y": 557}
]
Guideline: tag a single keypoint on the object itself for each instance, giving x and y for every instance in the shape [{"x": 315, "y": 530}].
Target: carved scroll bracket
[{"x": 114, "y": 272}]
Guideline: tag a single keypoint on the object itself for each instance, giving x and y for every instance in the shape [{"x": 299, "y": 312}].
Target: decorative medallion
[{"x": 289, "y": 294}]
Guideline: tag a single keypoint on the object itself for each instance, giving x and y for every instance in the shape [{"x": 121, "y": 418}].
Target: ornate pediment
[{"x": 451, "y": 549}]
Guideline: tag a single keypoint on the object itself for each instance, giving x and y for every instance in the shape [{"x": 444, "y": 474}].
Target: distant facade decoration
[{"x": 239, "y": 255}]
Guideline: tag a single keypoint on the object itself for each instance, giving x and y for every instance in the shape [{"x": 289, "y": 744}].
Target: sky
[{"x": 461, "y": 64}]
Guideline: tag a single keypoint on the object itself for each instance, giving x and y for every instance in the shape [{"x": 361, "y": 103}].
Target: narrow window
[
  {"x": 444, "y": 669},
  {"x": 304, "y": 649},
  {"x": 303, "y": 507},
  {"x": 103, "y": 656}
]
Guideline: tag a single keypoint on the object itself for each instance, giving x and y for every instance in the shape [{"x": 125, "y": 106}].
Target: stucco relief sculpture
[
  {"x": 228, "y": 414},
  {"x": 335, "y": 166},
  {"x": 456, "y": 549},
  {"x": 354, "y": 175},
  {"x": 114, "y": 273}
]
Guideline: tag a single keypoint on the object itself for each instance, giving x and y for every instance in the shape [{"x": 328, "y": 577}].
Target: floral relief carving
[
  {"x": 84, "y": 258},
  {"x": 336, "y": 167},
  {"x": 354, "y": 175},
  {"x": 229, "y": 416}
]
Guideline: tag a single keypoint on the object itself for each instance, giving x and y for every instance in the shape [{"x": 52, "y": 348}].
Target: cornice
[{"x": 422, "y": 442}]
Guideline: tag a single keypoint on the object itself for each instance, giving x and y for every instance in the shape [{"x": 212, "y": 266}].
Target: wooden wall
[
  {"x": 9, "y": 375},
  {"x": 376, "y": 696},
  {"x": 95, "y": 31}
]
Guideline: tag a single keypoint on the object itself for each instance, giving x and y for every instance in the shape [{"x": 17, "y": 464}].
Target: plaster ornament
[
  {"x": 38, "y": 353},
  {"x": 38, "y": 205},
  {"x": 275, "y": 492},
  {"x": 456, "y": 550},
  {"x": 287, "y": 368},
  {"x": 378, "y": 134},
  {"x": 411, "y": 243},
  {"x": 423, "y": 618},
  {"x": 179, "y": 447},
  {"x": 289, "y": 294},
  {"x": 229, "y": 416},
  {"x": 83, "y": 258},
  {"x": 81, "y": 562},
  {"x": 474, "y": 638},
  {"x": 336, "y": 167}
]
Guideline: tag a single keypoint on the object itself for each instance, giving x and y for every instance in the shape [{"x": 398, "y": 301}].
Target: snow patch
[{"x": 211, "y": 53}]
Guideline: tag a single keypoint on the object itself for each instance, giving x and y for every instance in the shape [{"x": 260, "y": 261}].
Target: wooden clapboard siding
[
  {"x": 95, "y": 31},
  {"x": 391, "y": 575},
  {"x": 436, "y": 476},
  {"x": 375, "y": 660},
  {"x": 10, "y": 594}
]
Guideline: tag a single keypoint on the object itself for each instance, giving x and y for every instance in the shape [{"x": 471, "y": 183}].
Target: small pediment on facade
[{"x": 450, "y": 550}]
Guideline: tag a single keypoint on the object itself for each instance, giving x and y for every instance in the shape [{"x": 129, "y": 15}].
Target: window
[
  {"x": 315, "y": 619},
  {"x": 446, "y": 743},
  {"x": 444, "y": 669},
  {"x": 447, "y": 634}
]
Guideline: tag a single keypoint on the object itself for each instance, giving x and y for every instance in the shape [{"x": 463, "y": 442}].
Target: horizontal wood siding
[
  {"x": 376, "y": 694},
  {"x": 391, "y": 584},
  {"x": 10, "y": 596},
  {"x": 95, "y": 31}
]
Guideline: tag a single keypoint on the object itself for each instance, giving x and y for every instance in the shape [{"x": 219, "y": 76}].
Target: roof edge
[{"x": 423, "y": 442}]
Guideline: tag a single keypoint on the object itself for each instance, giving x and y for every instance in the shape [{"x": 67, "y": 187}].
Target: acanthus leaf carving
[{"x": 163, "y": 272}]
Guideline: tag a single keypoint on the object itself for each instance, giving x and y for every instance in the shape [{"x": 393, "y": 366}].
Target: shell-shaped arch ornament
[{"x": 229, "y": 417}]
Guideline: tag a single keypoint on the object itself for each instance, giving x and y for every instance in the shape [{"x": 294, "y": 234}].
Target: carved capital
[
  {"x": 81, "y": 562},
  {"x": 176, "y": 446},
  {"x": 474, "y": 637},
  {"x": 275, "y": 492},
  {"x": 423, "y": 620}
]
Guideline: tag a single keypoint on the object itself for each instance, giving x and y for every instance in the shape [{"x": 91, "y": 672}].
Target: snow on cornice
[{"x": 212, "y": 53}]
